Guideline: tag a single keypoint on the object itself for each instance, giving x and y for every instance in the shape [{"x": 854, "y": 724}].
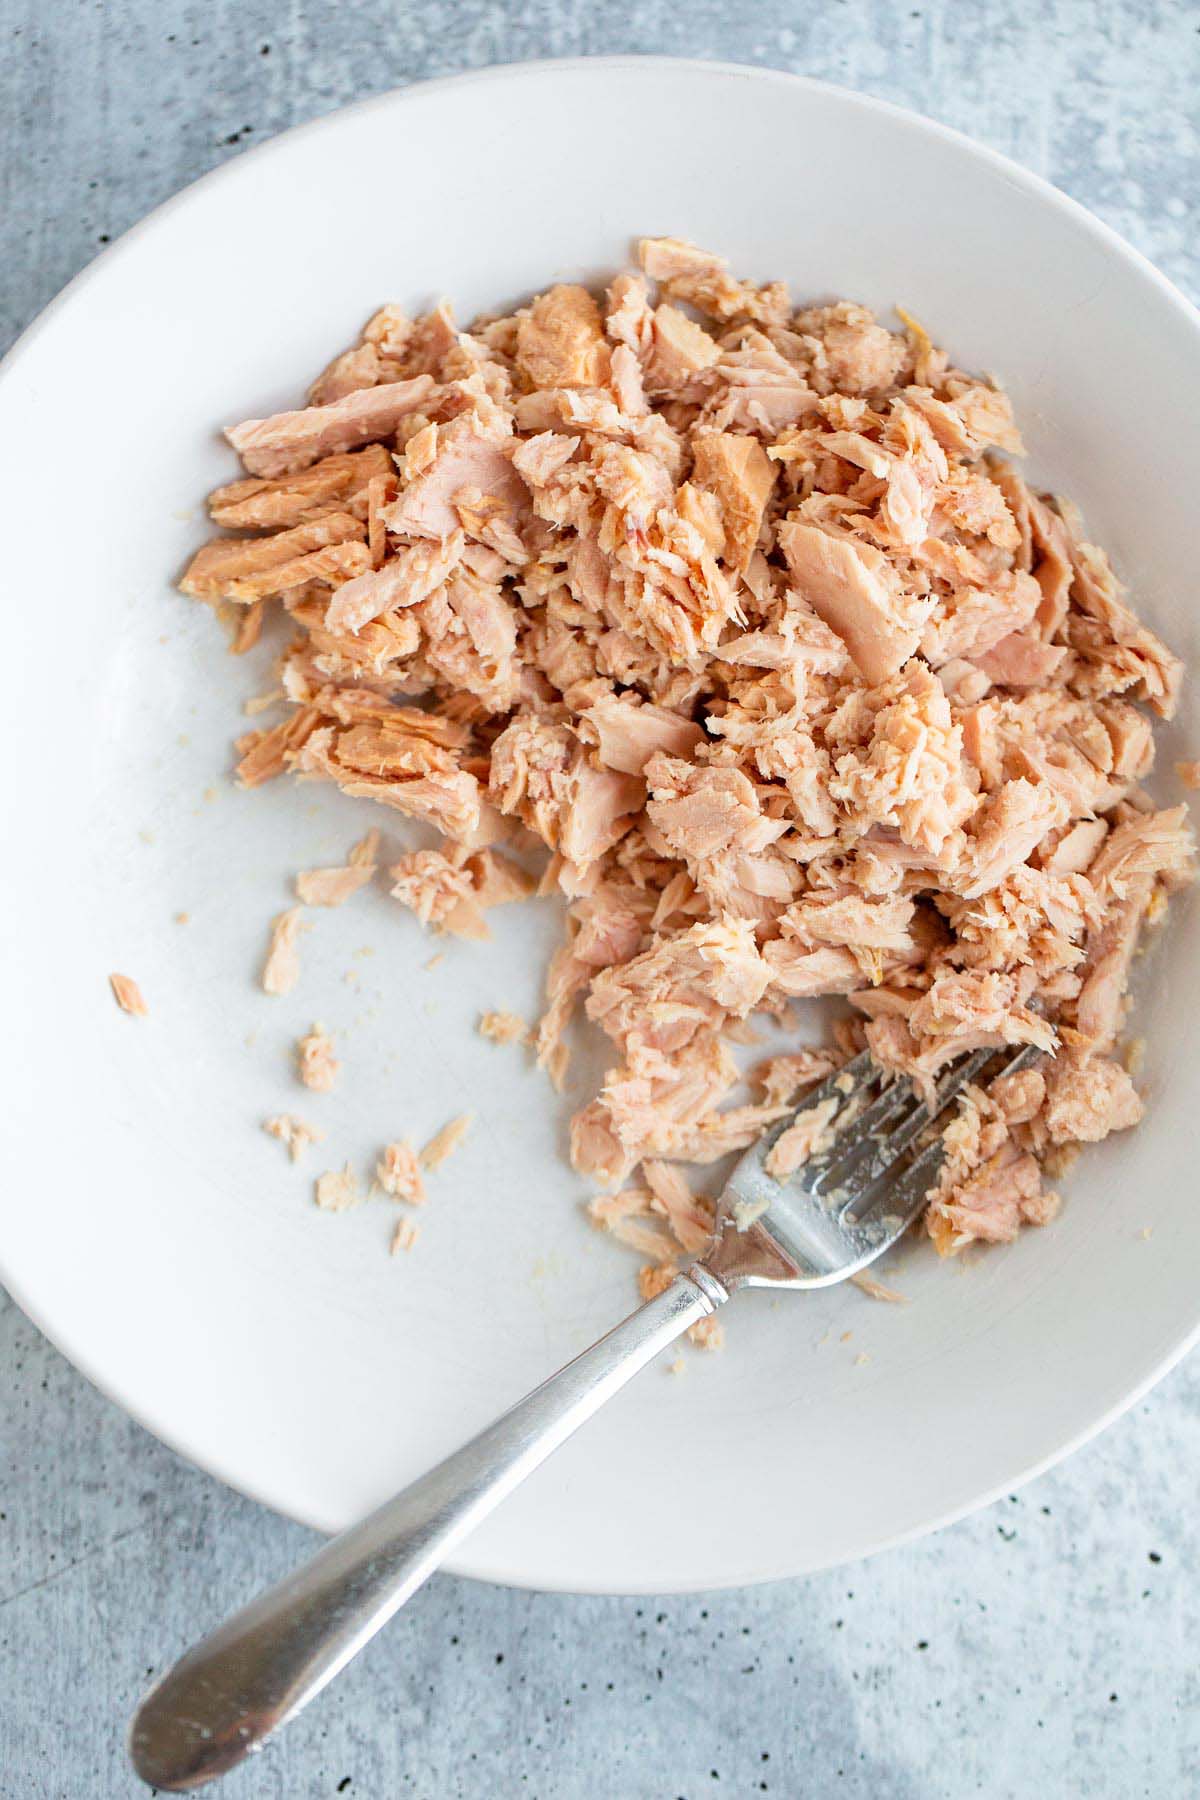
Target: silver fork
[{"x": 837, "y": 1213}]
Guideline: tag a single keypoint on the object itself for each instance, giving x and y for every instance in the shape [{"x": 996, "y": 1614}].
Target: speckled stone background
[{"x": 1047, "y": 1646}]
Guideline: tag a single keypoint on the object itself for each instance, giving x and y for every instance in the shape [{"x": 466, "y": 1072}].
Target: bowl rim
[{"x": 614, "y": 65}]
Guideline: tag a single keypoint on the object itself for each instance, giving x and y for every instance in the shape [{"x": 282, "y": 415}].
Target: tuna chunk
[
  {"x": 628, "y": 313},
  {"x": 679, "y": 350},
  {"x": 606, "y": 930},
  {"x": 128, "y": 996},
  {"x": 671, "y": 1113},
  {"x": 600, "y": 810},
  {"x": 1158, "y": 843},
  {"x": 538, "y": 459},
  {"x": 1118, "y": 652},
  {"x": 560, "y": 341},
  {"x": 467, "y": 459},
  {"x": 991, "y": 1205},
  {"x": 1007, "y": 829},
  {"x": 661, "y": 999},
  {"x": 1111, "y": 944},
  {"x": 1022, "y": 660},
  {"x": 265, "y": 754},
  {"x": 1019, "y": 1096},
  {"x": 689, "y": 1217},
  {"x": 806, "y": 1136},
  {"x": 540, "y": 771},
  {"x": 392, "y": 758},
  {"x": 738, "y": 471},
  {"x": 441, "y": 891},
  {"x": 293, "y": 440},
  {"x": 782, "y": 1077},
  {"x": 1075, "y": 849},
  {"x": 701, "y": 811},
  {"x": 702, "y": 280},
  {"x": 316, "y": 1064},
  {"x": 338, "y": 482},
  {"x": 410, "y": 577},
  {"x": 281, "y": 970},
  {"x": 860, "y": 356},
  {"x": 845, "y": 584},
  {"x": 898, "y": 761},
  {"x": 627, "y": 734},
  {"x": 978, "y": 417},
  {"x": 975, "y": 620},
  {"x": 804, "y": 973},
  {"x": 1052, "y": 565},
  {"x": 1087, "y": 1097},
  {"x": 982, "y": 1006},
  {"x": 360, "y": 367},
  {"x": 398, "y": 1173},
  {"x": 873, "y": 925},
  {"x": 330, "y": 887},
  {"x": 224, "y": 568}
]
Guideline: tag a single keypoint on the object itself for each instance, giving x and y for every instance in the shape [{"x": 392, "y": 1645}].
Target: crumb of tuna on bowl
[
  {"x": 444, "y": 1143},
  {"x": 743, "y": 615},
  {"x": 128, "y": 996},
  {"x": 316, "y": 1064},
  {"x": 398, "y": 1173},
  {"x": 293, "y": 1133}
]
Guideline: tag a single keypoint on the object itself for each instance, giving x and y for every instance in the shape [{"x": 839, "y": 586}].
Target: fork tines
[{"x": 882, "y": 1118}]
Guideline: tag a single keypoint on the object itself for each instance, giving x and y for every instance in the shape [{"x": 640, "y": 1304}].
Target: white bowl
[{"x": 148, "y": 1226}]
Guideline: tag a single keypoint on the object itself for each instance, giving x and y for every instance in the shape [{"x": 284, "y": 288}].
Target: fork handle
[{"x": 225, "y": 1697}]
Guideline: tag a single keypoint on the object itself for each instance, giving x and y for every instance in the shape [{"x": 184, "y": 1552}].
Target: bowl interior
[{"x": 149, "y": 1226}]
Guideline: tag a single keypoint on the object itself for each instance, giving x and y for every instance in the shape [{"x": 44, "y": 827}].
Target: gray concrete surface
[{"x": 1045, "y": 1646}]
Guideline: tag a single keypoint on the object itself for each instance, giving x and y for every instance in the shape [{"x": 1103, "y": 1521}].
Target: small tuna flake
[
  {"x": 128, "y": 995},
  {"x": 281, "y": 970},
  {"x": 316, "y": 1063},
  {"x": 338, "y": 1190},
  {"x": 292, "y": 1133},
  {"x": 404, "y": 1236},
  {"x": 445, "y": 1142},
  {"x": 398, "y": 1173},
  {"x": 503, "y": 1028}
]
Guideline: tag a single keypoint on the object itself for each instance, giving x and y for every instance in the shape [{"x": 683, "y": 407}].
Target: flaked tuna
[
  {"x": 847, "y": 585},
  {"x": 898, "y": 760},
  {"x": 1087, "y": 1097},
  {"x": 678, "y": 350},
  {"x": 293, "y": 440},
  {"x": 390, "y": 759},
  {"x": 781, "y": 1078},
  {"x": 410, "y": 577},
  {"x": 228, "y": 567},
  {"x": 1159, "y": 843},
  {"x": 979, "y": 1006},
  {"x": 1006, "y": 830},
  {"x": 468, "y": 459},
  {"x": 702, "y": 280},
  {"x": 733, "y": 621},
  {"x": 627, "y": 734},
  {"x": 540, "y": 771},
  {"x": 659, "y": 1001},
  {"x": 807, "y": 1135},
  {"x": 737, "y": 471},
  {"x": 700, "y": 811},
  {"x": 992, "y": 1204},
  {"x": 336, "y": 483},
  {"x": 560, "y": 341}
]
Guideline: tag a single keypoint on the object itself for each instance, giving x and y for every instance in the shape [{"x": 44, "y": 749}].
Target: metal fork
[{"x": 837, "y": 1213}]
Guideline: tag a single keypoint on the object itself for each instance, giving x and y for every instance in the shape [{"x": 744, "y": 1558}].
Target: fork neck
[
  {"x": 715, "y": 1291},
  {"x": 737, "y": 1259}
]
